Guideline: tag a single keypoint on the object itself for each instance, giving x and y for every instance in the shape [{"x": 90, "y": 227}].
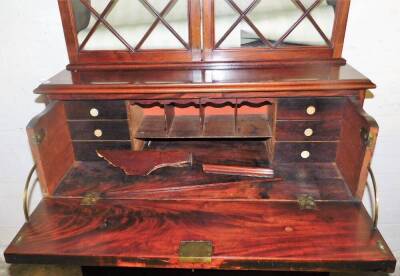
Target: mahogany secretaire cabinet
[{"x": 204, "y": 134}]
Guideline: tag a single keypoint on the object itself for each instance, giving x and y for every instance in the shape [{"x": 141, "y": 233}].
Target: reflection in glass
[
  {"x": 131, "y": 24},
  {"x": 273, "y": 23}
]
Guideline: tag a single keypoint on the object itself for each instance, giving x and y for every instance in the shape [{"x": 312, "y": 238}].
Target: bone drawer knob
[
  {"x": 305, "y": 154},
  {"x": 98, "y": 133},
  {"x": 94, "y": 112},
  {"x": 309, "y": 132},
  {"x": 311, "y": 110}
]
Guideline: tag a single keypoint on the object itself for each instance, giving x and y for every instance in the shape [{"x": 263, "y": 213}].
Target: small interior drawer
[
  {"x": 310, "y": 109},
  {"x": 328, "y": 130},
  {"x": 99, "y": 130},
  {"x": 288, "y": 152},
  {"x": 95, "y": 110}
]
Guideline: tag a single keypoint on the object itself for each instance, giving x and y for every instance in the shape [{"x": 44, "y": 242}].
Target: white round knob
[
  {"x": 98, "y": 133},
  {"x": 94, "y": 112},
  {"x": 311, "y": 110},
  {"x": 309, "y": 132},
  {"x": 305, "y": 154}
]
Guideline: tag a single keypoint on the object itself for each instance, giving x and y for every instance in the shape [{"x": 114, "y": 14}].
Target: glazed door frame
[
  {"x": 201, "y": 47},
  {"x": 79, "y": 56},
  {"x": 334, "y": 51}
]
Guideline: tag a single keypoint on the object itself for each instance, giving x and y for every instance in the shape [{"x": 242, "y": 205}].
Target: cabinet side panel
[
  {"x": 51, "y": 146},
  {"x": 356, "y": 147}
]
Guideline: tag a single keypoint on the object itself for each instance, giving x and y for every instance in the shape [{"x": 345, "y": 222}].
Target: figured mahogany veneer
[
  {"x": 321, "y": 180},
  {"x": 258, "y": 235}
]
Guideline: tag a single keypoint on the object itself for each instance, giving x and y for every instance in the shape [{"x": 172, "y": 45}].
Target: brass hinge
[
  {"x": 90, "y": 199},
  {"x": 306, "y": 202},
  {"x": 367, "y": 137},
  {"x": 195, "y": 252},
  {"x": 38, "y": 136},
  {"x": 381, "y": 246}
]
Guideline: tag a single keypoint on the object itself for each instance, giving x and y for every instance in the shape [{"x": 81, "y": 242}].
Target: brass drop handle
[
  {"x": 26, "y": 193},
  {"x": 375, "y": 214}
]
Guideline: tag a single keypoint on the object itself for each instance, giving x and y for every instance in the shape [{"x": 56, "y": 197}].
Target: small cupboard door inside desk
[{"x": 234, "y": 235}]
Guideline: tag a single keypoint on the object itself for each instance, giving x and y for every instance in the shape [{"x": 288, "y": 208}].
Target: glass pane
[
  {"x": 225, "y": 17},
  {"x": 269, "y": 23},
  {"x": 132, "y": 24},
  {"x": 177, "y": 17},
  {"x": 275, "y": 18},
  {"x": 316, "y": 29}
]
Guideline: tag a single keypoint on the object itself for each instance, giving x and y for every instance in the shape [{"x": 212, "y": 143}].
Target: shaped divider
[{"x": 201, "y": 118}]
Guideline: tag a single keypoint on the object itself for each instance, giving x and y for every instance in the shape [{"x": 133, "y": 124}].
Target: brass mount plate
[
  {"x": 38, "y": 136},
  {"x": 195, "y": 252},
  {"x": 306, "y": 202},
  {"x": 367, "y": 137},
  {"x": 90, "y": 199}
]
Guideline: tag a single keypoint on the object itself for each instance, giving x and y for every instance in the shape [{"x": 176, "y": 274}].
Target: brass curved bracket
[
  {"x": 26, "y": 193},
  {"x": 375, "y": 214}
]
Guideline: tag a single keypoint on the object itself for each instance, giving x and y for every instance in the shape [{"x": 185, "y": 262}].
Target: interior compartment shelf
[{"x": 190, "y": 119}]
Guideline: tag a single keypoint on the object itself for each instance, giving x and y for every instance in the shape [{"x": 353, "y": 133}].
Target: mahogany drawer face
[
  {"x": 86, "y": 151},
  {"x": 287, "y": 152},
  {"x": 99, "y": 130},
  {"x": 95, "y": 110},
  {"x": 310, "y": 109},
  {"x": 328, "y": 130}
]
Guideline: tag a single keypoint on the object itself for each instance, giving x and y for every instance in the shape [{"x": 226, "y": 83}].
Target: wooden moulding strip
[{"x": 239, "y": 170}]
